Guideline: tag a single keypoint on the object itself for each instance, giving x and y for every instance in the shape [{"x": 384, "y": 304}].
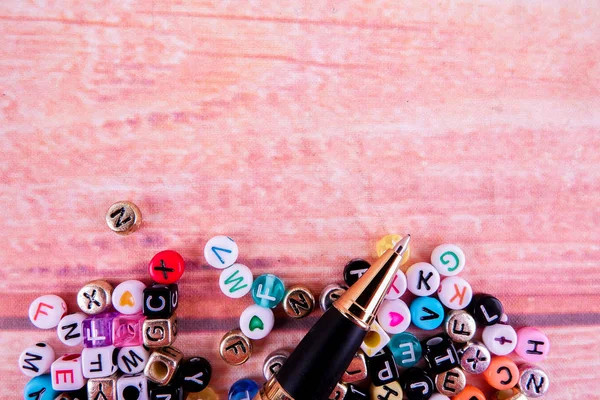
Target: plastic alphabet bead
[
  {"x": 470, "y": 393},
  {"x": 127, "y": 330},
  {"x": 168, "y": 392},
  {"x": 97, "y": 330},
  {"x": 330, "y": 294},
  {"x": 394, "y": 316},
  {"x": 439, "y": 353},
  {"x": 123, "y": 217},
  {"x": 510, "y": 394},
  {"x": 532, "y": 345},
  {"x": 243, "y": 389},
  {"x": 460, "y": 326},
  {"x": 77, "y": 395},
  {"x": 406, "y": 349},
  {"x": 422, "y": 279},
  {"x": 357, "y": 369},
  {"x": 40, "y": 388},
  {"x": 533, "y": 381},
  {"x": 194, "y": 374},
  {"x": 98, "y": 362},
  {"x": 475, "y": 358},
  {"x": 455, "y": 292},
  {"x": 236, "y": 281},
  {"x": 46, "y": 311},
  {"x": 449, "y": 259},
  {"x": 132, "y": 360},
  {"x": 389, "y": 241},
  {"x": 102, "y": 388},
  {"x": 356, "y": 393},
  {"x": 398, "y": 286},
  {"x": 159, "y": 332},
  {"x": 128, "y": 297},
  {"x": 162, "y": 365},
  {"x": 268, "y": 290},
  {"x": 166, "y": 267},
  {"x": 70, "y": 329},
  {"x": 451, "y": 382},
  {"x": 161, "y": 301},
  {"x": 206, "y": 394},
  {"x": 66, "y": 373},
  {"x": 502, "y": 373},
  {"x": 298, "y": 302},
  {"x": 486, "y": 309},
  {"x": 426, "y": 313},
  {"x": 221, "y": 252},
  {"x": 416, "y": 384},
  {"x": 375, "y": 340},
  {"x": 235, "y": 348},
  {"x": 273, "y": 362},
  {"x": 382, "y": 367},
  {"x": 354, "y": 270},
  {"x": 95, "y": 297},
  {"x": 36, "y": 360},
  {"x": 256, "y": 322},
  {"x": 500, "y": 339},
  {"x": 132, "y": 387},
  {"x": 388, "y": 391},
  {"x": 339, "y": 392},
  {"x": 438, "y": 396}
]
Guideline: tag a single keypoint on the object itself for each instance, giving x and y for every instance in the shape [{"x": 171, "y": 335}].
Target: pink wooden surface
[{"x": 306, "y": 131}]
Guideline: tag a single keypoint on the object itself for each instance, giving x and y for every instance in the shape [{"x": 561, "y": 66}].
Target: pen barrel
[{"x": 320, "y": 359}]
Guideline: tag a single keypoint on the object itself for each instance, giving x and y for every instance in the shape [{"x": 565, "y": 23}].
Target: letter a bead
[
  {"x": 422, "y": 279},
  {"x": 448, "y": 259},
  {"x": 166, "y": 267},
  {"x": 455, "y": 293},
  {"x": 46, "y": 311},
  {"x": 532, "y": 344},
  {"x": 40, "y": 388},
  {"x": 256, "y": 322},
  {"x": 36, "y": 360},
  {"x": 128, "y": 297},
  {"x": 236, "y": 281},
  {"x": 221, "y": 252},
  {"x": 268, "y": 290}
]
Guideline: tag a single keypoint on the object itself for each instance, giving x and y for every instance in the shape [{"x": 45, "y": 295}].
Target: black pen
[{"x": 320, "y": 359}]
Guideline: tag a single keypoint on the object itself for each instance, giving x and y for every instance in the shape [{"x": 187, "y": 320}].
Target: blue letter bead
[
  {"x": 268, "y": 290},
  {"x": 40, "y": 388},
  {"x": 406, "y": 349},
  {"x": 243, "y": 389},
  {"x": 427, "y": 313}
]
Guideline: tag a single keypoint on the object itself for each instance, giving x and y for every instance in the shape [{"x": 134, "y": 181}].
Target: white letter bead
[
  {"x": 394, "y": 316},
  {"x": 66, "y": 373},
  {"x": 97, "y": 362},
  {"x": 422, "y": 279},
  {"x": 236, "y": 281},
  {"x": 500, "y": 339},
  {"x": 221, "y": 252},
  {"x": 449, "y": 259},
  {"x": 132, "y": 360},
  {"x": 46, "y": 311},
  {"x": 36, "y": 360},
  {"x": 455, "y": 293},
  {"x": 256, "y": 322},
  {"x": 128, "y": 297},
  {"x": 375, "y": 340},
  {"x": 132, "y": 387},
  {"x": 69, "y": 329},
  {"x": 398, "y": 286}
]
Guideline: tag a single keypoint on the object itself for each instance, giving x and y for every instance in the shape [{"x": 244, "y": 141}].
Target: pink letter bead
[
  {"x": 532, "y": 344},
  {"x": 422, "y": 279},
  {"x": 70, "y": 329},
  {"x": 455, "y": 292},
  {"x": 398, "y": 286},
  {"x": 500, "y": 339},
  {"x": 128, "y": 297},
  {"x": 66, "y": 373},
  {"x": 46, "y": 311},
  {"x": 127, "y": 330},
  {"x": 36, "y": 360},
  {"x": 97, "y": 362},
  {"x": 393, "y": 316},
  {"x": 97, "y": 330}
]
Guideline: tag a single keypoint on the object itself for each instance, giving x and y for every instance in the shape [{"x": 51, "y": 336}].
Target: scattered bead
[
  {"x": 426, "y": 313},
  {"x": 357, "y": 369},
  {"x": 128, "y": 297},
  {"x": 394, "y": 316},
  {"x": 76, "y": 395},
  {"x": 268, "y": 290},
  {"x": 256, "y": 322},
  {"x": 448, "y": 259},
  {"x": 475, "y": 358},
  {"x": 162, "y": 365},
  {"x": 127, "y": 330},
  {"x": 502, "y": 373},
  {"x": 339, "y": 392},
  {"x": 243, "y": 389},
  {"x": 70, "y": 329},
  {"x": 398, "y": 286},
  {"x": 66, "y": 373},
  {"x": 455, "y": 292},
  {"x": 159, "y": 332},
  {"x": 486, "y": 309},
  {"x": 98, "y": 362},
  {"x": 406, "y": 349},
  {"x": 95, "y": 297},
  {"x": 533, "y": 381},
  {"x": 354, "y": 270},
  {"x": 123, "y": 217},
  {"x": 132, "y": 387},
  {"x": 40, "y": 388},
  {"x": 97, "y": 330},
  {"x": 166, "y": 267},
  {"x": 36, "y": 360},
  {"x": 221, "y": 252},
  {"x": 532, "y": 345},
  {"x": 298, "y": 302},
  {"x": 460, "y": 326},
  {"x": 416, "y": 384},
  {"x": 206, "y": 394},
  {"x": 439, "y": 353},
  {"x": 274, "y": 362},
  {"x": 422, "y": 279},
  {"x": 382, "y": 367},
  {"x": 235, "y": 348},
  {"x": 500, "y": 339},
  {"x": 388, "y": 391},
  {"x": 510, "y": 394},
  {"x": 438, "y": 396},
  {"x": 470, "y": 393},
  {"x": 388, "y": 242},
  {"x": 46, "y": 311},
  {"x": 133, "y": 359},
  {"x": 168, "y": 392},
  {"x": 451, "y": 382},
  {"x": 356, "y": 393},
  {"x": 102, "y": 388},
  {"x": 330, "y": 294},
  {"x": 161, "y": 301},
  {"x": 194, "y": 374},
  {"x": 375, "y": 340},
  {"x": 235, "y": 281}
]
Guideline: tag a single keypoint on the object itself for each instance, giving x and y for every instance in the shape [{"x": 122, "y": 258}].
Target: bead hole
[
  {"x": 434, "y": 341},
  {"x": 160, "y": 370}
]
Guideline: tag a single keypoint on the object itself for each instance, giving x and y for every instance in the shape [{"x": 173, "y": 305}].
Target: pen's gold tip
[{"x": 402, "y": 244}]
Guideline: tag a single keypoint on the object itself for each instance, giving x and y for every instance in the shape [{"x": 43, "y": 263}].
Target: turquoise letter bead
[
  {"x": 427, "y": 313},
  {"x": 268, "y": 291},
  {"x": 243, "y": 389},
  {"x": 406, "y": 349},
  {"x": 40, "y": 388}
]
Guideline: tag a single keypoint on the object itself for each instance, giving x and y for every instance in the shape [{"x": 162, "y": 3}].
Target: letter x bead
[
  {"x": 475, "y": 358},
  {"x": 46, "y": 311},
  {"x": 166, "y": 267}
]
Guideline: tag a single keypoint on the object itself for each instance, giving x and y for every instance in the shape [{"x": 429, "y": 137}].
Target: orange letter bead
[
  {"x": 470, "y": 393},
  {"x": 502, "y": 373}
]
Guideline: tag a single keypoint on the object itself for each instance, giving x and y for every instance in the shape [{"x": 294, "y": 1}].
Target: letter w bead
[{"x": 231, "y": 279}]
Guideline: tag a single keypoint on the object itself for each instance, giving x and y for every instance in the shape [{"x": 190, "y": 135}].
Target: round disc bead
[
  {"x": 46, "y": 311},
  {"x": 70, "y": 329},
  {"x": 194, "y": 374},
  {"x": 243, "y": 389},
  {"x": 422, "y": 279},
  {"x": 533, "y": 381},
  {"x": 502, "y": 373},
  {"x": 388, "y": 391},
  {"x": 426, "y": 313},
  {"x": 330, "y": 294},
  {"x": 36, "y": 360},
  {"x": 509, "y": 394},
  {"x": 95, "y": 297},
  {"x": 268, "y": 290},
  {"x": 486, "y": 309},
  {"x": 532, "y": 344},
  {"x": 298, "y": 302},
  {"x": 475, "y": 358},
  {"x": 398, "y": 286},
  {"x": 448, "y": 259},
  {"x": 256, "y": 322},
  {"x": 221, "y": 252},
  {"x": 40, "y": 388},
  {"x": 354, "y": 270},
  {"x": 455, "y": 292},
  {"x": 123, "y": 217},
  {"x": 470, "y": 393},
  {"x": 438, "y": 396},
  {"x": 416, "y": 384},
  {"x": 500, "y": 339},
  {"x": 274, "y": 362},
  {"x": 235, "y": 348},
  {"x": 388, "y": 242},
  {"x": 406, "y": 349},
  {"x": 166, "y": 267},
  {"x": 128, "y": 297},
  {"x": 451, "y": 382},
  {"x": 206, "y": 394},
  {"x": 460, "y": 326},
  {"x": 394, "y": 316},
  {"x": 236, "y": 281}
]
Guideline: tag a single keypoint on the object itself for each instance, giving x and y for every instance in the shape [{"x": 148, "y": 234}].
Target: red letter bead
[
  {"x": 532, "y": 344},
  {"x": 166, "y": 267},
  {"x": 46, "y": 311}
]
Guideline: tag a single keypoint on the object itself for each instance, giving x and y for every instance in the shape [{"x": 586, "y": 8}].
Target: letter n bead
[
  {"x": 298, "y": 302},
  {"x": 533, "y": 381},
  {"x": 159, "y": 332},
  {"x": 160, "y": 301},
  {"x": 70, "y": 329},
  {"x": 194, "y": 374},
  {"x": 163, "y": 364}
]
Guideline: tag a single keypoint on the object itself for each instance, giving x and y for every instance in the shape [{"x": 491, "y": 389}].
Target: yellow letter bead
[
  {"x": 339, "y": 392},
  {"x": 123, "y": 217},
  {"x": 160, "y": 332},
  {"x": 298, "y": 302},
  {"x": 389, "y": 391},
  {"x": 460, "y": 326},
  {"x": 95, "y": 297},
  {"x": 452, "y": 382},
  {"x": 533, "y": 381},
  {"x": 510, "y": 394},
  {"x": 274, "y": 361},
  {"x": 235, "y": 347},
  {"x": 375, "y": 340},
  {"x": 357, "y": 370},
  {"x": 206, "y": 394},
  {"x": 103, "y": 388},
  {"x": 163, "y": 364},
  {"x": 389, "y": 241}
]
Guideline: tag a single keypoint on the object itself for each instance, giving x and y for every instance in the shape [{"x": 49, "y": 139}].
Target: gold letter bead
[
  {"x": 510, "y": 394},
  {"x": 159, "y": 332},
  {"x": 103, "y": 388},
  {"x": 95, "y": 297},
  {"x": 163, "y": 364},
  {"x": 451, "y": 382},
  {"x": 274, "y": 361},
  {"x": 357, "y": 370},
  {"x": 235, "y": 348},
  {"x": 123, "y": 217},
  {"x": 298, "y": 302},
  {"x": 339, "y": 392}
]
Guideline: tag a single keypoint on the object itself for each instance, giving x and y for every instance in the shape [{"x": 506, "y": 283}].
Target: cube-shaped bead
[
  {"x": 166, "y": 392},
  {"x": 40, "y": 388},
  {"x": 132, "y": 387},
  {"x": 406, "y": 349},
  {"x": 357, "y": 369},
  {"x": 132, "y": 360},
  {"x": 162, "y": 365},
  {"x": 36, "y": 360},
  {"x": 67, "y": 373},
  {"x": 339, "y": 392},
  {"x": 159, "y": 332},
  {"x": 194, "y": 374},
  {"x": 382, "y": 367},
  {"x": 416, "y": 384},
  {"x": 97, "y": 330},
  {"x": 80, "y": 394},
  {"x": 70, "y": 329},
  {"x": 98, "y": 362},
  {"x": 160, "y": 301},
  {"x": 440, "y": 354},
  {"x": 268, "y": 290},
  {"x": 243, "y": 389},
  {"x": 127, "y": 330},
  {"x": 375, "y": 340},
  {"x": 103, "y": 388}
]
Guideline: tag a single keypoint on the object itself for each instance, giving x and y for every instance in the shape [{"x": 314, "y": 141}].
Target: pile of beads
[{"x": 127, "y": 353}]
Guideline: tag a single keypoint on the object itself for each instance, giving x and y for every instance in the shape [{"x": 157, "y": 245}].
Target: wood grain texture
[{"x": 305, "y": 131}]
